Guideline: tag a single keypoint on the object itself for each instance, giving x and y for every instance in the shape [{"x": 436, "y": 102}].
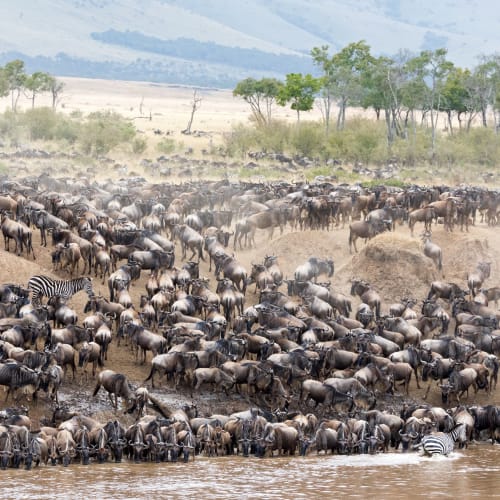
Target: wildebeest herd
[{"x": 299, "y": 343}]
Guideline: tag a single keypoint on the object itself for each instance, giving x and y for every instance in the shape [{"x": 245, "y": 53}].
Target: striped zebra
[
  {"x": 442, "y": 443},
  {"x": 45, "y": 286}
]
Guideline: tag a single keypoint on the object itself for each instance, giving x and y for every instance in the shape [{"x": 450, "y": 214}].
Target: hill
[{"x": 217, "y": 43}]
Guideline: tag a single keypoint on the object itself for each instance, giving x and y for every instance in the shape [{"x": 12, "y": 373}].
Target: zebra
[
  {"x": 45, "y": 286},
  {"x": 442, "y": 443}
]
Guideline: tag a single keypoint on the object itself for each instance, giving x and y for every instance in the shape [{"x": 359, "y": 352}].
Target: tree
[
  {"x": 381, "y": 91},
  {"x": 55, "y": 88},
  {"x": 4, "y": 84},
  {"x": 261, "y": 95},
  {"x": 300, "y": 90},
  {"x": 435, "y": 69},
  {"x": 195, "y": 105},
  {"x": 321, "y": 58},
  {"x": 456, "y": 96},
  {"x": 485, "y": 84},
  {"x": 15, "y": 75},
  {"x": 37, "y": 83},
  {"x": 343, "y": 76}
]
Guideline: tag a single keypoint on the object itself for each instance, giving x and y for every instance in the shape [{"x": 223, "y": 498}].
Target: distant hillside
[{"x": 216, "y": 43}]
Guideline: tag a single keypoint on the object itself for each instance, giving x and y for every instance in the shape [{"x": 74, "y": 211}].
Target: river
[{"x": 472, "y": 473}]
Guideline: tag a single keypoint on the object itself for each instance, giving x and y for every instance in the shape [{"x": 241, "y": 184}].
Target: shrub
[
  {"x": 166, "y": 146},
  {"x": 240, "y": 141},
  {"x": 40, "y": 123},
  {"x": 102, "y": 131},
  {"x": 9, "y": 124},
  {"x": 308, "y": 139},
  {"x": 139, "y": 145}
]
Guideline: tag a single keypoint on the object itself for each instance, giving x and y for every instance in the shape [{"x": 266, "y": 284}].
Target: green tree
[
  {"x": 261, "y": 95},
  {"x": 343, "y": 75},
  {"x": 485, "y": 84},
  {"x": 323, "y": 60},
  {"x": 381, "y": 92},
  {"x": 4, "y": 84},
  {"x": 16, "y": 77},
  {"x": 56, "y": 88},
  {"x": 37, "y": 83},
  {"x": 300, "y": 90},
  {"x": 456, "y": 96},
  {"x": 435, "y": 69}
]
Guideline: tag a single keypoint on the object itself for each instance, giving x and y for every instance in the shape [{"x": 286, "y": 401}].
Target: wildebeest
[
  {"x": 122, "y": 278},
  {"x": 214, "y": 376},
  {"x": 15, "y": 375},
  {"x": 314, "y": 267},
  {"x": 90, "y": 352},
  {"x": 476, "y": 278},
  {"x": 432, "y": 250},
  {"x": 153, "y": 260},
  {"x": 145, "y": 340},
  {"x": 367, "y": 295},
  {"x": 189, "y": 238},
  {"x": 366, "y": 230},
  {"x": 177, "y": 365},
  {"x": 425, "y": 215},
  {"x": 446, "y": 291},
  {"x": 267, "y": 219},
  {"x": 323, "y": 393},
  {"x": 232, "y": 269},
  {"x": 117, "y": 384},
  {"x": 459, "y": 383}
]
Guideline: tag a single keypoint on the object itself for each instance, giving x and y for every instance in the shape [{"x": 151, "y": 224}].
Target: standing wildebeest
[
  {"x": 152, "y": 259},
  {"x": 231, "y": 269},
  {"x": 322, "y": 393},
  {"x": 67, "y": 257},
  {"x": 12, "y": 229},
  {"x": 424, "y": 215},
  {"x": 45, "y": 221},
  {"x": 122, "y": 278},
  {"x": 270, "y": 261},
  {"x": 261, "y": 277},
  {"x": 15, "y": 375},
  {"x": 90, "y": 352},
  {"x": 367, "y": 295},
  {"x": 214, "y": 376},
  {"x": 117, "y": 384},
  {"x": 446, "y": 291},
  {"x": 314, "y": 267},
  {"x": 231, "y": 299},
  {"x": 102, "y": 261},
  {"x": 476, "y": 278},
  {"x": 190, "y": 238},
  {"x": 432, "y": 250},
  {"x": 366, "y": 230},
  {"x": 267, "y": 219},
  {"x": 145, "y": 340}
]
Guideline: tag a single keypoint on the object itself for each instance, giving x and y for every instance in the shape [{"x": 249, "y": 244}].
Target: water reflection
[{"x": 470, "y": 473}]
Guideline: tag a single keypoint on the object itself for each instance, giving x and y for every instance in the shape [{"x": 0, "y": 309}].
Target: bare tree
[{"x": 195, "y": 105}]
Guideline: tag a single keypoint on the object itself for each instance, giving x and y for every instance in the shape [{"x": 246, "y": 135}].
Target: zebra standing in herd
[
  {"x": 45, "y": 286},
  {"x": 442, "y": 443}
]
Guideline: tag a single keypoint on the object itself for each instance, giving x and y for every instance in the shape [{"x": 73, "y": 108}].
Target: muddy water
[{"x": 473, "y": 473}]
